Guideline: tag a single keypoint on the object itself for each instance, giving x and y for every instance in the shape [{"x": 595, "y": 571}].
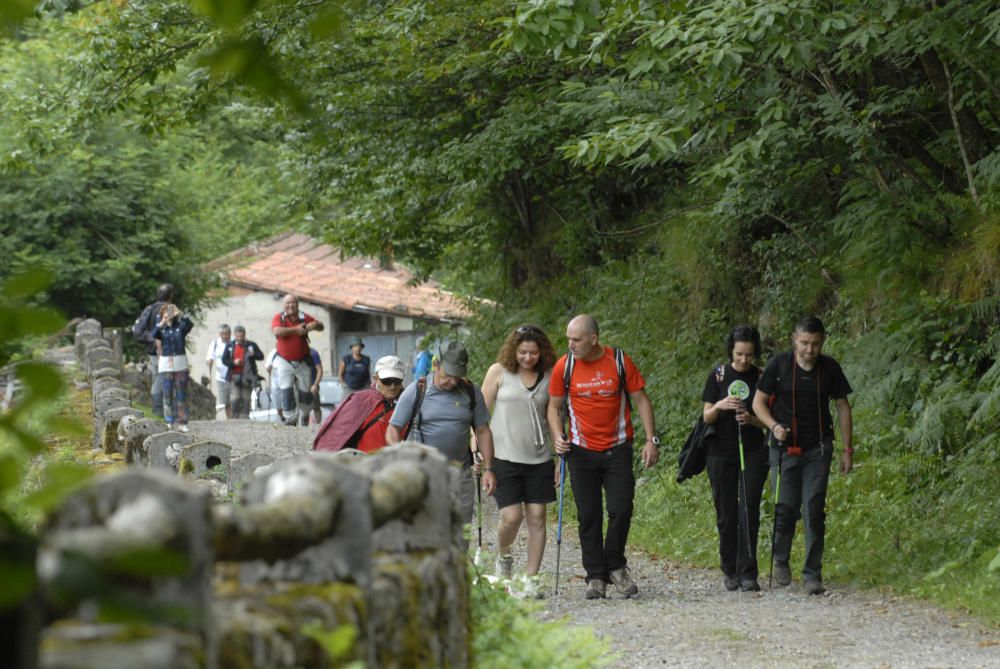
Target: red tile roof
[{"x": 296, "y": 263}]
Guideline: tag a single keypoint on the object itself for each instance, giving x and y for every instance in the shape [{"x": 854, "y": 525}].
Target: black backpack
[
  {"x": 142, "y": 329},
  {"x": 691, "y": 460}
]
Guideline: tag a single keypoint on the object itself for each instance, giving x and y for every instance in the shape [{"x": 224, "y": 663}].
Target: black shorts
[{"x": 517, "y": 482}]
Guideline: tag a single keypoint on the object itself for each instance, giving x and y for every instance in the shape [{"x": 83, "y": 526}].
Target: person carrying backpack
[
  {"x": 293, "y": 364},
  {"x": 599, "y": 384},
  {"x": 171, "y": 332},
  {"x": 438, "y": 411},
  {"x": 142, "y": 331},
  {"x": 793, "y": 401},
  {"x": 736, "y": 458},
  {"x": 240, "y": 358},
  {"x": 361, "y": 420}
]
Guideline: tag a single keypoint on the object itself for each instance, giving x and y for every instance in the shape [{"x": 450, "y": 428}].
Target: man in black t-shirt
[{"x": 793, "y": 401}]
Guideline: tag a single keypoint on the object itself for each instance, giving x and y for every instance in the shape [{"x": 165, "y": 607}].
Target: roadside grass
[{"x": 887, "y": 527}]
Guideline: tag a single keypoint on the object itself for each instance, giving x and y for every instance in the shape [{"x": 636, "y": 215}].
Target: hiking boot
[
  {"x": 814, "y": 587},
  {"x": 624, "y": 582},
  {"x": 595, "y": 589},
  {"x": 505, "y": 566},
  {"x": 732, "y": 583},
  {"x": 782, "y": 574},
  {"x": 749, "y": 585}
]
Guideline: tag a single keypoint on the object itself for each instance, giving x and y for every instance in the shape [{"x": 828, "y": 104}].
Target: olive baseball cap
[{"x": 455, "y": 359}]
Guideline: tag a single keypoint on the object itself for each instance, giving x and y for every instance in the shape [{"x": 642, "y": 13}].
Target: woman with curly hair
[{"x": 516, "y": 392}]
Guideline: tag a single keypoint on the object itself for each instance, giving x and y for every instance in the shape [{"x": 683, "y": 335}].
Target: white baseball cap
[{"x": 390, "y": 367}]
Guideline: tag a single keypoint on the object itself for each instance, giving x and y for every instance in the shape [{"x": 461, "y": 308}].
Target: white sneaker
[
  {"x": 505, "y": 566},
  {"x": 184, "y": 428}
]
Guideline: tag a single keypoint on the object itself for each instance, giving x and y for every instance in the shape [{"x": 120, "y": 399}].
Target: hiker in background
[
  {"x": 438, "y": 411},
  {"x": 355, "y": 371},
  {"x": 171, "y": 330},
  {"x": 142, "y": 330},
  {"x": 214, "y": 359},
  {"x": 362, "y": 419},
  {"x": 737, "y": 478},
  {"x": 317, "y": 376},
  {"x": 241, "y": 356},
  {"x": 273, "y": 391},
  {"x": 422, "y": 361},
  {"x": 293, "y": 363},
  {"x": 793, "y": 401},
  {"x": 598, "y": 383},
  {"x": 516, "y": 391}
]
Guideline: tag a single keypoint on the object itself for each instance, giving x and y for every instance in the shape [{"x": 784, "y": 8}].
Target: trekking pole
[
  {"x": 562, "y": 485},
  {"x": 743, "y": 493},
  {"x": 477, "y": 559},
  {"x": 774, "y": 528}
]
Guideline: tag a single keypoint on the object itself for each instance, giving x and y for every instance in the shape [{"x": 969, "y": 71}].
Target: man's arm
[
  {"x": 847, "y": 434},
  {"x": 554, "y": 419},
  {"x": 762, "y": 408},
  {"x": 340, "y": 373},
  {"x": 642, "y": 404},
  {"x": 484, "y": 439},
  {"x": 393, "y": 435}
]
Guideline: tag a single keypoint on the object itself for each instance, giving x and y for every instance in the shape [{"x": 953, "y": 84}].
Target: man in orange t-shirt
[{"x": 598, "y": 445}]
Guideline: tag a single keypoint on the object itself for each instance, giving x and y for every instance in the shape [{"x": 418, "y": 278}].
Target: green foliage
[
  {"x": 21, "y": 438},
  {"x": 338, "y": 644},
  {"x": 507, "y": 635}
]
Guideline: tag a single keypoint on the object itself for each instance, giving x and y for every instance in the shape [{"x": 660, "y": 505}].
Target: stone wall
[{"x": 326, "y": 558}]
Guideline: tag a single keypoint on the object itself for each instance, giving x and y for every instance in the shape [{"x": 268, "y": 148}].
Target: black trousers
[
  {"x": 737, "y": 558},
  {"x": 594, "y": 475}
]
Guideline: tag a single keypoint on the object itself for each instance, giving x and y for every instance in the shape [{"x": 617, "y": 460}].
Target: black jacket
[{"x": 253, "y": 354}]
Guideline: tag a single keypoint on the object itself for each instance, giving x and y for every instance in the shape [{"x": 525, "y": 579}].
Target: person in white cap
[{"x": 361, "y": 420}]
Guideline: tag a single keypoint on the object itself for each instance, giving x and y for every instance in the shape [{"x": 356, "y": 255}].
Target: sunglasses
[
  {"x": 526, "y": 330},
  {"x": 391, "y": 382}
]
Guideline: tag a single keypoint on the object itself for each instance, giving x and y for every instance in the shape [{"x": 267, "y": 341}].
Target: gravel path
[
  {"x": 245, "y": 436},
  {"x": 684, "y": 617}
]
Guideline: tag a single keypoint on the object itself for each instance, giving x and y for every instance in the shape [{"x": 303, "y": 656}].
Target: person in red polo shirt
[
  {"x": 293, "y": 365},
  {"x": 598, "y": 445}
]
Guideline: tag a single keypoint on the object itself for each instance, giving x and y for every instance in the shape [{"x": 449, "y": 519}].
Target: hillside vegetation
[{"x": 672, "y": 167}]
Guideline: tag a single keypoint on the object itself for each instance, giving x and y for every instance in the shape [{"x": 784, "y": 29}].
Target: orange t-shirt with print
[{"x": 599, "y": 415}]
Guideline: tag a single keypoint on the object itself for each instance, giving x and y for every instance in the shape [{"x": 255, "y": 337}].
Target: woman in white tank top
[{"x": 516, "y": 392}]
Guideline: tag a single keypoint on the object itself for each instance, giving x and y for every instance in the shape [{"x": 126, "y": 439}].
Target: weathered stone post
[
  {"x": 137, "y": 541},
  {"x": 420, "y": 568}
]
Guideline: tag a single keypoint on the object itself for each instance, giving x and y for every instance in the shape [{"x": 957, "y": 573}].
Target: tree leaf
[{"x": 27, "y": 283}]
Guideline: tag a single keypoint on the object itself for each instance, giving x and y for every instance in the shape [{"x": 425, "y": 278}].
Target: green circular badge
[{"x": 739, "y": 389}]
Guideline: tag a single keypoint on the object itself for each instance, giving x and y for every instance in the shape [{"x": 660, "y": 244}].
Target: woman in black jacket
[
  {"x": 736, "y": 459},
  {"x": 241, "y": 358}
]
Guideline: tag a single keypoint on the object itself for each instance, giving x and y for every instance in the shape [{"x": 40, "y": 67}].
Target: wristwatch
[{"x": 654, "y": 440}]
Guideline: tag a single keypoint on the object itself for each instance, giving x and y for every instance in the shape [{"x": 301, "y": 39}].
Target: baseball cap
[
  {"x": 455, "y": 359},
  {"x": 390, "y": 367}
]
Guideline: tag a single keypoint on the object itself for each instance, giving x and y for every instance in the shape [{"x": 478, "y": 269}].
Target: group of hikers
[
  {"x": 295, "y": 369},
  {"x": 534, "y": 410}
]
